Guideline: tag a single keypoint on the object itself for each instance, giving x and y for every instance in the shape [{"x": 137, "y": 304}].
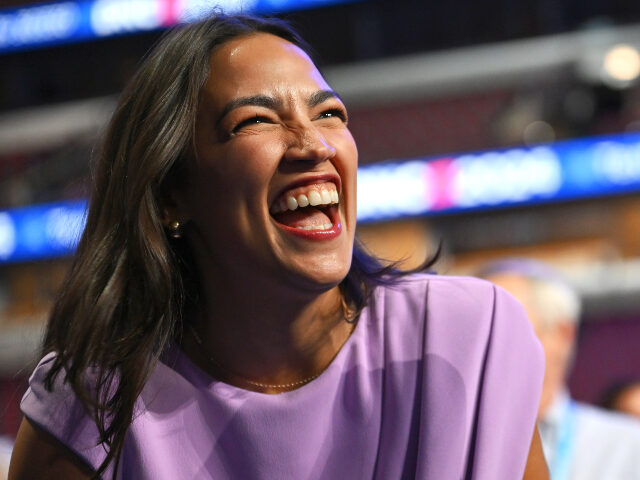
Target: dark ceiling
[{"x": 344, "y": 33}]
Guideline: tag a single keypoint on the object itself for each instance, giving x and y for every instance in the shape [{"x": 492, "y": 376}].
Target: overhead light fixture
[{"x": 621, "y": 66}]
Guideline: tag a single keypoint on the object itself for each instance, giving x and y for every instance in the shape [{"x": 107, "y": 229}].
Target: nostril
[{"x": 310, "y": 147}]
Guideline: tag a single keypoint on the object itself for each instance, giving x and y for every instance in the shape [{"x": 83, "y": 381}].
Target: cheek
[
  {"x": 347, "y": 166},
  {"x": 346, "y": 159},
  {"x": 241, "y": 172},
  {"x": 347, "y": 144}
]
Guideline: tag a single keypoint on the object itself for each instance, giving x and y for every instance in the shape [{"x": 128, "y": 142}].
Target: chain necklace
[{"x": 246, "y": 380}]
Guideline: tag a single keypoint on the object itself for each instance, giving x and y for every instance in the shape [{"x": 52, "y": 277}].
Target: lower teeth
[{"x": 326, "y": 226}]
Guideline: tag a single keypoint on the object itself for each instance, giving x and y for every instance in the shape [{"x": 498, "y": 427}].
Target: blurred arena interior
[{"x": 496, "y": 127}]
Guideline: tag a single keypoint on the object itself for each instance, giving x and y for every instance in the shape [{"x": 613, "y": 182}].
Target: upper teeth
[{"x": 313, "y": 197}]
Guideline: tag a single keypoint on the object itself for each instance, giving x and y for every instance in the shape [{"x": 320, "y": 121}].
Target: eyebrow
[
  {"x": 255, "y": 100},
  {"x": 273, "y": 103},
  {"x": 321, "y": 96}
]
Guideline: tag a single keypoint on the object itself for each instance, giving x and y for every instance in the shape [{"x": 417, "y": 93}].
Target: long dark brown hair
[{"x": 130, "y": 283}]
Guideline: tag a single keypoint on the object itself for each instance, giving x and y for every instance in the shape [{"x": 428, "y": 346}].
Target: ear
[{"x": 174, "y": 208}]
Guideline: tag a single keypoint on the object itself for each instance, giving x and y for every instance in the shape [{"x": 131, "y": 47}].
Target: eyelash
[
  {"x": 332, "y": 112},
  {"x": 250, "y": 121}
]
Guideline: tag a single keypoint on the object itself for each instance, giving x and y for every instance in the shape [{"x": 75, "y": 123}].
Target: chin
[{"x": 321, "y": 275}]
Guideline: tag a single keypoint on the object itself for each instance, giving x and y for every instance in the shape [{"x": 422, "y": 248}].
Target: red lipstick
[{"x": 315, "y": 235}]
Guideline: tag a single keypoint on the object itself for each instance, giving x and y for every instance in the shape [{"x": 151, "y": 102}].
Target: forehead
[{"x": 261, "y": 63}]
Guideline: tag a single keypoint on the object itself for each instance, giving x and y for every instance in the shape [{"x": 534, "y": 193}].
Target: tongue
[{"x": 303, "y": 217}]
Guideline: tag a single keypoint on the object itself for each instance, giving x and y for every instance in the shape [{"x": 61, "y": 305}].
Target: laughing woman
[{"x": 218, "y": 322}]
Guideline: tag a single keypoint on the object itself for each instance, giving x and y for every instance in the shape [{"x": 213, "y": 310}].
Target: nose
[{"x": 307, "y": 144}]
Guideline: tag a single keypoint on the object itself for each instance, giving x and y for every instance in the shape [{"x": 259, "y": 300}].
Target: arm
[
  {"x": 38, "y": 454},
  {"x": 536, "y": 468}
]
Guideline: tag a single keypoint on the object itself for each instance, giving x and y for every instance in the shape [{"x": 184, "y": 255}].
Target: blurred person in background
[
  {"x": 580, "y": 441},
  {"x": 624, "y": 397},
  {"x": 218, "y": 321}
]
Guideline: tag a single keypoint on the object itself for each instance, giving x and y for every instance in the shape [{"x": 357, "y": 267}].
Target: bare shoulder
[{"x": 38, "y": 454}]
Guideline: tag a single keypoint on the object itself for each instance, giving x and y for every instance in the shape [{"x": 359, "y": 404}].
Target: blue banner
[
  {"x": 40, "y": 231},
  {"x": 73, "y": 21},
  {"x": 565, "y": 170},
  {"x": 568, "y": 170}
]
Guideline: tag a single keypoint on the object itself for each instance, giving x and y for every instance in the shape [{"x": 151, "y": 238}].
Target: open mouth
[{"x": 308, "y": 208}]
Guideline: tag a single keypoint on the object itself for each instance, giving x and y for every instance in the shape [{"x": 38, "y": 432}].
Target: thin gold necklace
[{"x": 250, "y": 382}]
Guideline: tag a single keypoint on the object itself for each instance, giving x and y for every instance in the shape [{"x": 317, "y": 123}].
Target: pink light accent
[
  {"x": 441, "y": 174},
  {"x": 169, "y": 12}
]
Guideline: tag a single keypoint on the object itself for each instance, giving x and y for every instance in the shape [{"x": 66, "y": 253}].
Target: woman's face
[{"x": 271, "y": 195}]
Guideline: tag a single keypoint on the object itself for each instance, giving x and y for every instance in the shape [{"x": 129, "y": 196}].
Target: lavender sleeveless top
[{"x": 440, "y": 380}]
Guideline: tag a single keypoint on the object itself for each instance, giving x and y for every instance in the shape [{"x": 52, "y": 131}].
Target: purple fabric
[{"x": 440, "y": 380}]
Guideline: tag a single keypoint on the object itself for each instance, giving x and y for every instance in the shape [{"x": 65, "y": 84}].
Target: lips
[
  {"x": 314, "y": 231},
  {"x": 309, "y": 209}
]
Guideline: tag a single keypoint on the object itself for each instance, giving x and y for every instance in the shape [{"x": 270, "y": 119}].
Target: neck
[{"x": 256, "y": 336}]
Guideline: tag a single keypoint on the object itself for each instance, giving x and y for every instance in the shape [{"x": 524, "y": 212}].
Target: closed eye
[
  {"x": 334, "y": 113},
  {"x": 250, "y": 121}
]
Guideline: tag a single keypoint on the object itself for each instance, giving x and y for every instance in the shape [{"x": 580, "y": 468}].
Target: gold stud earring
[{"x": 175, "y": 229}]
